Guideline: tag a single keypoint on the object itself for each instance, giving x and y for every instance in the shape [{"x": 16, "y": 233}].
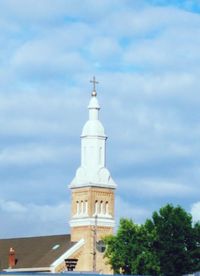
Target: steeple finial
[{"x": 94, "y": 93}]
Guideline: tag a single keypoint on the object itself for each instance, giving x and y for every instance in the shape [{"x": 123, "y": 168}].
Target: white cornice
[
  {"x": 91, "y": 184},
  {"x": 105, "y": 222}
]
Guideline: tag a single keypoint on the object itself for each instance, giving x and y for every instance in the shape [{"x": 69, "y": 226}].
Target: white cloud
[
  {"x": 42, "y": 57},
  {"x": 126, "y": 209},
  {"x": 195, "y": 211},
  {"x": 44, "y": 13},
  {"x": 146, "y": 20},
  {"x": 34, "y": 113},
  {"x": 49, "y": 51},
  {"x": 104, "y": 48},
  {"x": 32, "y": 10},
  {"x": 34, "y": 154},
  {"x": 162, "y": 52},
  {"x": 158, "y": 188},
  {"x": 36, "y": 219},
  {"x": 12, "y": 207}
]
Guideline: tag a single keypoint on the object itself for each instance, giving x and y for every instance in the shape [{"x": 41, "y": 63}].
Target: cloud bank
[{"x": 146, "y": 57}]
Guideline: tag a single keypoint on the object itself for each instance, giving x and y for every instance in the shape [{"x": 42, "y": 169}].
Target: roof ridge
[{"x": 29, "y": 237}]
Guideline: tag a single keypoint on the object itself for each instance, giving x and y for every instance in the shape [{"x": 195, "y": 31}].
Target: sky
[{"x": 146, "y": 57}]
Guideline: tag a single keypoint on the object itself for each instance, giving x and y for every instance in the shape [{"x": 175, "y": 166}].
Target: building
[
  {"x": 92, "y": 215},
  {"x": 92, "y": 192},
  {"x": 36, "y": 254}
]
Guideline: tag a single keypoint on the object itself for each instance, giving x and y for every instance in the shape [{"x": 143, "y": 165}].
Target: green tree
[
  {"x": 195, "y": 251},
  {"x": 168, "y": 244},
  {"x": 121, "y": 248},
  {"x": 146, "y": 262},
  {"x": 129, "y": 252},
  {"x": 177, "y": 241}
]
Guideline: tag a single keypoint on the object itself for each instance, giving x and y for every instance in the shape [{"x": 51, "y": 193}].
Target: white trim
[
  {"x": 91, "y": 222},
  {"x": 91, "y": 184},
  {"x": 28, "y": 269},
  {"x": 102, "y": 137},
  {"x": 67, "y": 254}
]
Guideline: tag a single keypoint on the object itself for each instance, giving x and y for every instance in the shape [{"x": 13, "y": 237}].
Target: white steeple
[
  {"x": 93, "y": 193},
  {"x": 93, "y": 171}
]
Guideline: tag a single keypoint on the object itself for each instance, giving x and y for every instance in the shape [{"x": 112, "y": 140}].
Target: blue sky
[{"x": 145, "y": 54}]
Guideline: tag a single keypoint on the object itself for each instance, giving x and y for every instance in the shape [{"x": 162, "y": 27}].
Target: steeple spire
[
  {"x": 93, "y": 104},
  {"x": 94, "y": 92},
  {"x": 93, "y": 171}
]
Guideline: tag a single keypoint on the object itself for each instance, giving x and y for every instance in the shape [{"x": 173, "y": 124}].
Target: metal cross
[{"x": 94, "y": 83}]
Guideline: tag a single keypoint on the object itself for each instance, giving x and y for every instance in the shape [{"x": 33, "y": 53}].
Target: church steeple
[
  {"x": 92, "y": 191},
  {"x": 93, "y": 171}
]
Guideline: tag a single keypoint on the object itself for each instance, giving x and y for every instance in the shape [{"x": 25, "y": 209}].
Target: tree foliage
[
  {"x": 121, "y": 249},
  {"x": 176, "y": 241},
  {"x": 167, "y": 244},
  {"x": 129, "y": 252}
]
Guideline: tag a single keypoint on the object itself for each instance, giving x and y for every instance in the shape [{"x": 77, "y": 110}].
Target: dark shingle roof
[{"x": 34, "y": 251}]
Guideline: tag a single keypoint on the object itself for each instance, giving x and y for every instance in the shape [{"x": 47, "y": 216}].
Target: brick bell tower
[{"x": 92, "y": 216}]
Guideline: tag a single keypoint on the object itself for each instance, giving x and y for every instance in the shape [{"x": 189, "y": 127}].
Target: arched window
[
  {"x": 86, "y": 207},
  {"x": 107, "y": 208},
  {"x": 96, "y": 207},
  {"x": 77, "y": 208},
  {"x": 101, "y": 208},
  {"x": 82, "y": 207}
]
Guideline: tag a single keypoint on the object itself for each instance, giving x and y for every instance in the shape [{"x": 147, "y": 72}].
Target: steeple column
[
  {"x": 93, "y": 114},
  {"x": 93, "y": 153}
]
